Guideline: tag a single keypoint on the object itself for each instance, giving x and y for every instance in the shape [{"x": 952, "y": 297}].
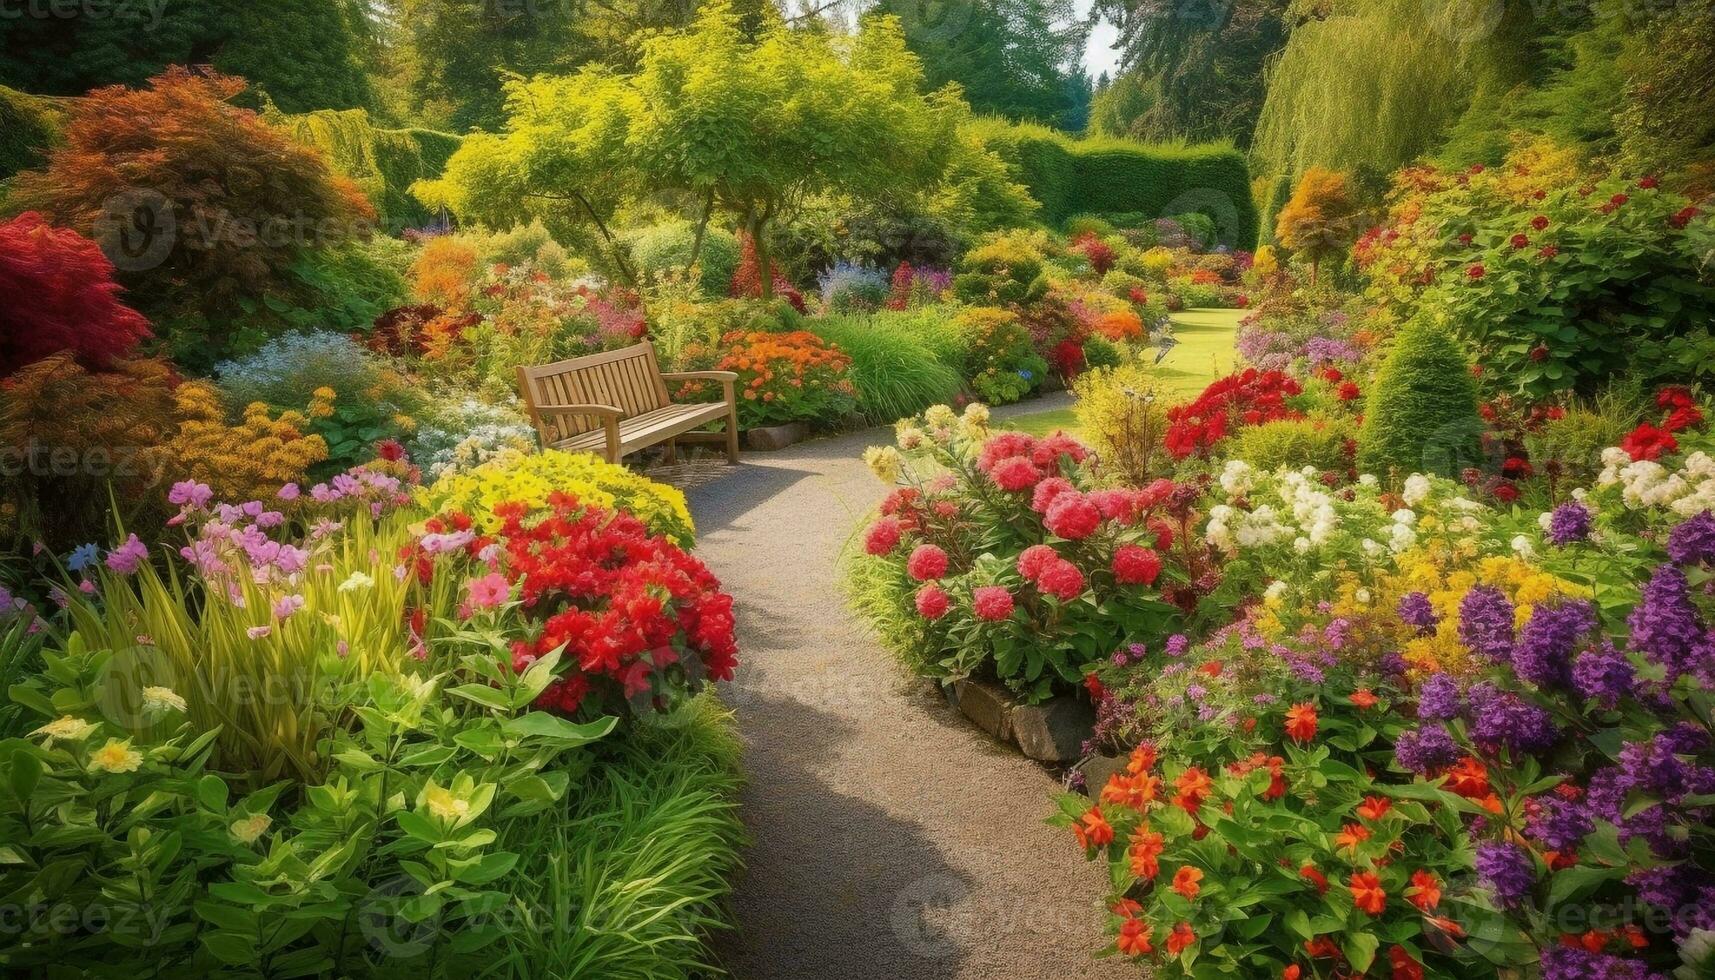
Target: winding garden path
[{"x": 891, "y": 839}]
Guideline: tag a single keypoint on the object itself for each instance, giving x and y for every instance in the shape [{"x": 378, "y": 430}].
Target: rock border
[{"x": 1053, "y": 731}]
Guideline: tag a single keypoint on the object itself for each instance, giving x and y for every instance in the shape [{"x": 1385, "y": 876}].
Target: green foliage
[
  {"x": 1314, "y": 441},
  {"x": 1014, "y": 58},
  {"x": 1664, "y": 122},
  {"x": 1577, "y": 438},
  {"x": 1375, "y": 83},
  {"x": 1196, "y": 71},
  {"x": 527, "y": 244},
  {"x": 384, "y": 162},
  {"x": 304, "y": 54},
  {"x": 1105, "y": 176},
  {"x": 1421, "y": 409},
  {"x": 895, "y": 371},
  {"x": 613, "y": 901},
  {"x": 28, "y": 127},
  {"x": 667, "y": 248},
  {"x": 996, "y": 355},
  {"x": 344, "y": 288}
]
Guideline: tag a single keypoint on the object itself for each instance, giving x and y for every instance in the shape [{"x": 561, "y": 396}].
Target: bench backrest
[{"x": 628, "y": 379}]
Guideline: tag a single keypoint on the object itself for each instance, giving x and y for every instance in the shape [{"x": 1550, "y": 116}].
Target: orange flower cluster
[
  {"x": 1120, "y": 325},
  {"x": 788, "y": 376}
]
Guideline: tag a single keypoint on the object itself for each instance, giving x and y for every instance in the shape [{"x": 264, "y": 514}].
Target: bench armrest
[{"x": 700, "y": 376}]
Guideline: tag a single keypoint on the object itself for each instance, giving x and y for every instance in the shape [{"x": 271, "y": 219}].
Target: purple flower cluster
[
  {"x": 1604, "y": 674},
  {"x": 1578, "y": 963},
  {"x": 1438, "y": 699},
  {"x": 1693, "y": 542},
  {"x": 1415, "y": 610},
  {"x": 1559, "y": 823},
  {"x": 1665, "y": 624},
  {"x": 1486, "y": 623},
  {"x": 1502, "y": 719},
  {"x": 1326, "y": 350},
  {"x": 1543, "y": 655},
  {"x": 1506, "y": 870},
  {"x": 1425, "y": 750},
  {"x": 1569, "y": 523}
]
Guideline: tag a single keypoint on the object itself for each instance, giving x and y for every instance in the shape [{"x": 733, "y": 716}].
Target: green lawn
[{"x": 1205, "y": 352}]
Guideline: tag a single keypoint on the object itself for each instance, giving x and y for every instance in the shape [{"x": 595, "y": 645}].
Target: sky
[{"x": 1099, "y": 55}]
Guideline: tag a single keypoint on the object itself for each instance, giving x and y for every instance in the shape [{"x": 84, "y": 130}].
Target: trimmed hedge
[
  {"x": 29, "y": 125},
  {"x": 384, "y": 162},
  {"x": 1110, "y": 176},
  {"x": 1420, "y": 415}
]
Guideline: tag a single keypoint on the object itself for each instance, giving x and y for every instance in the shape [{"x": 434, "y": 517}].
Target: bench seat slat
[{"x": 649, "y": 428}]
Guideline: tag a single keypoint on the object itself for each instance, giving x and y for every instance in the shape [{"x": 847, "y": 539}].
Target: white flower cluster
[
  {"x": 1646, "y": 483},
  {"x": 466, "y": 433}
]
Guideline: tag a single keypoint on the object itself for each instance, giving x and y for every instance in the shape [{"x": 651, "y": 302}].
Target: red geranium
[{"x": 1648, "y": 442}]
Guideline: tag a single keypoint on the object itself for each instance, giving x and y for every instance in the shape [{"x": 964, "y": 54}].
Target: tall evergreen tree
[
  {"x": 1199, "y": 66},
  {"x": 1016, "y": 58}
]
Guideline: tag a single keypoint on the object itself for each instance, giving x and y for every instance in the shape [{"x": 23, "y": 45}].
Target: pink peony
[
  {"x": 1015, "y": 473},
  {"x": 1072, "y": 517},
  {"x": 128, "y": 557},
  {"x": 927, "y": 562},
  {"x": 1136, "y": 565},
  {"x": 883, "y": 536},
  {"x": 1035, "y": 559},
  {"x": 991, "y": 602},
  {"x": 932, "y": 602},
  {"x": 1116, "y": 505},
  {"x": 1062, "y": 580}
]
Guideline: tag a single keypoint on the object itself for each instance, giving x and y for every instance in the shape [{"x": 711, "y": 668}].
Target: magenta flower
[
  {"x": 128, "y": 557},
  {"x": 489, "y": 591}
]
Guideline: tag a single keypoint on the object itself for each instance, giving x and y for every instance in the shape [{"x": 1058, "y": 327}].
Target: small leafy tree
[
  {"x": 1421, "y": 414},
  {"x": 1322, "y": 219},
  {"x": 752, "y": 124}
]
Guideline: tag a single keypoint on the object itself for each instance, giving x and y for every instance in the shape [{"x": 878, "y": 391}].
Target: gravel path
[{"x": 890, "y": 838}]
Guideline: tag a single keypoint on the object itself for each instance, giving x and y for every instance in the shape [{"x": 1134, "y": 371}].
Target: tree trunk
[
  {"x": 613, "y": 245},
  {"x": 702, "y": 230},
  {"x": 759, "y": 244}
]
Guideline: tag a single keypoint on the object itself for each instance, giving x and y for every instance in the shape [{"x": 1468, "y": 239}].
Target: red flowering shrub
[
  {"x": 747, "y": 279},
  {"x": 1011, "y": 562},
  {"x": 637, "y": 620},
  {"x": 1092, "y": 248},
  {"x": 57, "y": 294},
  {"x": 1250, "y": 397}
]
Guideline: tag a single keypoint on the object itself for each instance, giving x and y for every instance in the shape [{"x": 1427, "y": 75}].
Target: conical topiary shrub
[{"x": 1421, "y": 413}]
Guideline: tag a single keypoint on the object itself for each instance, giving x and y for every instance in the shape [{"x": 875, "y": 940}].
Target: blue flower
[
  {"x": 83, "y": 557},
  {"x": 1025, "y": 374}
]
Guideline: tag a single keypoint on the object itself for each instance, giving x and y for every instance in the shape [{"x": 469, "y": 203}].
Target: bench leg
[
  {"x": 731, "y": 434},
  {"x": 672, "y": 452}
]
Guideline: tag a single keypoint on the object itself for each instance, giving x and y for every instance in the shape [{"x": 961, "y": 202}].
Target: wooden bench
[{"x": 617, "y": 403}]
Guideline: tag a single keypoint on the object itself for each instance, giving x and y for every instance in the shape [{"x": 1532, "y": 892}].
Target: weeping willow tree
[{"x": 1372, "y": 84}]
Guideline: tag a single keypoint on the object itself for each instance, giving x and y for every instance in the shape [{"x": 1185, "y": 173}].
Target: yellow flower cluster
[
  {"x": 531, "y": 478},
  {"x": 240, "y": 462},
  {"x": 1445, "y": 575}
]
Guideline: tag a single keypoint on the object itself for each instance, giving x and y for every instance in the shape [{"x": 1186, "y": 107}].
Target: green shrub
[
  {"x": 1110, "y": 176},
  {"x": 1005, "y": 270},
  {"x": 1314, "y": 441},
  {"x": 28, "y": 125},
  {"x": 1576, "y": 441},
  {"x": 667, "y": 247},
  {"x": 1421, "y": 410},
  {"x": 346, "y": 287},
  {"x": 895, "y": 370},
  {"x": 1099, "y": 352},
  {"x": 384, "y": 162},
  {"x": 1087, "y": 224},
  {"x": 999, "y": 361},
  {"x": 531, "y": 245}
]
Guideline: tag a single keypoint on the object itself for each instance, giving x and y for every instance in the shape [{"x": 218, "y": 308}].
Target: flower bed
[
  {"x": 998, "y": 557},
  {"x": 335, "y": 723}
]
